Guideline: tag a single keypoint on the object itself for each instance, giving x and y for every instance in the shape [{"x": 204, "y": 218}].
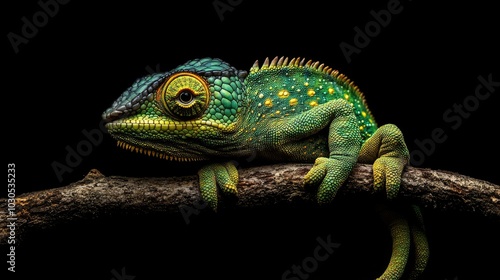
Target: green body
[
  {"x": 284, "y": 110},
  {"x": 242, "y": 112}
]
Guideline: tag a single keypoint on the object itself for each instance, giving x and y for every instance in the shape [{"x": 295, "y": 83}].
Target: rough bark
[{"x": 97, "y": 196}]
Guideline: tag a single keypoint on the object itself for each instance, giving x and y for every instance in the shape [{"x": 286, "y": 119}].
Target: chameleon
[{"x": 286, "y": 110}]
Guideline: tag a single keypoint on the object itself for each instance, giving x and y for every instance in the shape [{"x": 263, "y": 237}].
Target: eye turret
[{"x": 184, "y": 95}]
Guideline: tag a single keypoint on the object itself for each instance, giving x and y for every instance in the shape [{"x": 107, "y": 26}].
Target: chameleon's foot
[
  {"x": 387, "y": 174},
  {"x": 329, "y": 174},
  {"x": 224, "y": 176},
  {"x": 387, "y": 150}
]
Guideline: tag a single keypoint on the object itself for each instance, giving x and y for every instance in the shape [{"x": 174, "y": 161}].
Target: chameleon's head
[{"x": 182, "y": 114}]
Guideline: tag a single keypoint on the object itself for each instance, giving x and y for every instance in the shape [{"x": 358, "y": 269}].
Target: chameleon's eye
[{"x": 184, "y": 95}]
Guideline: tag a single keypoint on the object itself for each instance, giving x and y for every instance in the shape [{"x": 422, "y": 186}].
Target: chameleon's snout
[
  {"x": 108, "y": 117},
  {"x": 120, "y": 111},
  {"x": 143, "y": 90}
]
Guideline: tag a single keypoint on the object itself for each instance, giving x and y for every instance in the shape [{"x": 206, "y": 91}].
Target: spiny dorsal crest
[
  {"x": 278, "y": 62},
  {"x": 294, "y": 62}
]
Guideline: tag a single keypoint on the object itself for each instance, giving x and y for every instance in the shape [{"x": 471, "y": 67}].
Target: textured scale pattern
[
  {"x": 286, "y": 110},
  {"x": 284, "y": 88}
]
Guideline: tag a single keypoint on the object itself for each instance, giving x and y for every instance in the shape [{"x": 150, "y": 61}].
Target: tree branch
[{"x": 97, "y": 196}]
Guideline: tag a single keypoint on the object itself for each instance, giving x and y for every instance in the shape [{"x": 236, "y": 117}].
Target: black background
[{"x": 412, "y": 71}]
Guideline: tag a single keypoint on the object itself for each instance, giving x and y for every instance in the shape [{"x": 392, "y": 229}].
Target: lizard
[{"x": 287, "y": 110}]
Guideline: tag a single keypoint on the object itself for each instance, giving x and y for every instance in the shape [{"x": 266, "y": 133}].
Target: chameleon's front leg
[
  {"x": 344, "y": 142},
  {"x": 222, "y": 175}
]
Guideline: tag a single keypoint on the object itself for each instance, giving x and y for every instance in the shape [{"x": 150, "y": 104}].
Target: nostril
[
  {"x": 115, "y": 114},
  {"x": 111, "y": 116}
]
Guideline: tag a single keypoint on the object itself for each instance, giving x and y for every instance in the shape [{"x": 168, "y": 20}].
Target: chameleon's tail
[
  {"x": 419, "y": 242},
  {"x": 400, "y": 233},
  {"x": 407, "y": 235}
]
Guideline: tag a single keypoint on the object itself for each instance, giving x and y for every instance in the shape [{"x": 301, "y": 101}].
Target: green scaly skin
[{"x": 284, "y": 110}]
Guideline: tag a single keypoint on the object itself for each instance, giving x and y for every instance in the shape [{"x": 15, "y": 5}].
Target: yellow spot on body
[
  {"x": 261, "y": 95},
  {"x": 268, "y": 103},
  {"x": 283, "y": 93},
  {"x": 346, "y": 96},
  {"x": 313, "y": 103},
  {"x": 363, "y": 114},
  {"x": 331, "y": 90},
  {"x": 362, "y": 127},
  {"x": 278, "y": 112},
  {"x": 310, "y": 92},
  {"x": 293, "y": 101},
  {"x": 254, "y": 129},
  {"x": 306, "y": 84}
]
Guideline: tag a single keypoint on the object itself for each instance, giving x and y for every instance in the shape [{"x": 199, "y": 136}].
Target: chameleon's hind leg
[{"x": 387, "y": 151}]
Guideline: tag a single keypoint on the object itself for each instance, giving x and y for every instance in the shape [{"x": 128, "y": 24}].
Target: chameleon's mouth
[
  {"x": 154, "y": 153},
  {"x": 167, "y": 139},
  {"x": 129, "y": 124},
  {"x": 165, "y": 148}
]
